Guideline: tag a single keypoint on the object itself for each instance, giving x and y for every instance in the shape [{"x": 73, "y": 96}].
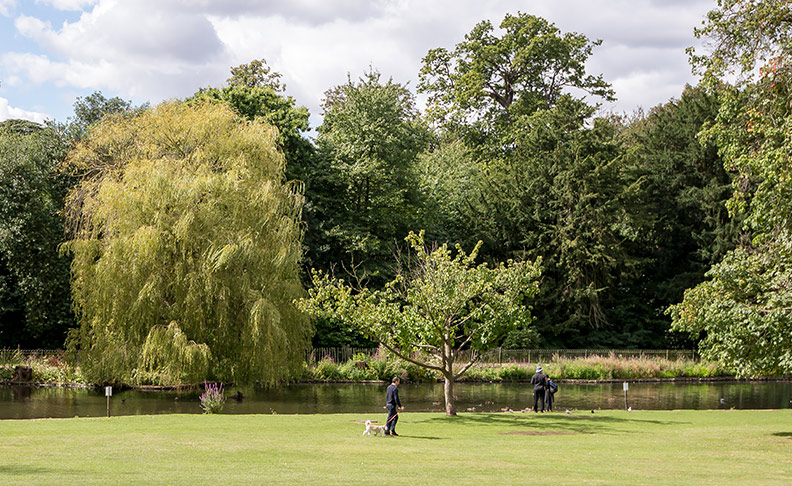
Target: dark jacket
[
  {"x": 539, "y": 381},
  {"x": 392, "y": 396}
]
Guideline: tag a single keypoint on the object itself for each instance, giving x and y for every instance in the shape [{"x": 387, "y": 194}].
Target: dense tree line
[{"x": 624, "y": 212}]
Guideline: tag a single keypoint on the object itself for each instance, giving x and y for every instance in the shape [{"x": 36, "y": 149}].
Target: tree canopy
[
  {"x": 438, "y": 305},
  {"x": 175, "y": 219},
  {"x": 35, "y": 309},
  {"x": 186, "y": 249},
  {"x": 743, "y": 311},
  {"x": 487, "y": 81},
  {"x": 365, "y": 188}
]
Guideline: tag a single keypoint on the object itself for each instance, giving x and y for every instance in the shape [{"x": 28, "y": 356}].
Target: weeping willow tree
[{"x": 186, "y": 245}]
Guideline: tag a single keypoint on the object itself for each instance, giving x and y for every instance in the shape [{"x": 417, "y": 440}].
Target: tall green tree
[
  {"x": 35, "y": 308},
  {"x": 487, "y": 82},
  {"x": 368, "y": 144},
  {"x": 560, "y": 196},
  {"x": 547, "y": 177},
  {"x": 363, "y": 190},
  {"x": 186, "y": 250},
  {"x": 677, "y": 193},
  {"x": 436, "y": 307},
  {"x": 91, "y": 109},
  {"x": 743, "y": 309}
]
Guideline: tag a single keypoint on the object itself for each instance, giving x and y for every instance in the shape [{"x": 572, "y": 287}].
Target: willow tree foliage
[
  {"x": 438, "y": 305},
  {"x": 186, "y": 249},
  {"x": 254, "y": 91},
  {"x": 745, "y": 308}
]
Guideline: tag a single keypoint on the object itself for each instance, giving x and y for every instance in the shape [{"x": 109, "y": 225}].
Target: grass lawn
[{"x": 608, "y": 447}]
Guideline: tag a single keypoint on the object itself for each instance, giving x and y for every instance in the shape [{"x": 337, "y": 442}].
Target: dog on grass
[{"x": 377, "y": 429}]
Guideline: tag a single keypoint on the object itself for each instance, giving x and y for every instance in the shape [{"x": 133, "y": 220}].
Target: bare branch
[
  {"x": 470, "y": 363},
  {"x": 407, "y": 358}
]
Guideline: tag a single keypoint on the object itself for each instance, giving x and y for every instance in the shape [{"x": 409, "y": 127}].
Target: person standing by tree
[
  {"x": 393, "y": 404},
  {"x": 539, "y": 381}
]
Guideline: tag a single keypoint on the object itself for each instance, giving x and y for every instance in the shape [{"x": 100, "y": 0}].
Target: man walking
[
  {"x": 539, "y": 381},
  {"x": 393, "y": 405}
]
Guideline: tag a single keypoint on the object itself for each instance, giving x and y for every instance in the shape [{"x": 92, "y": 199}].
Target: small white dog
[{"x": 377, "y": 429}]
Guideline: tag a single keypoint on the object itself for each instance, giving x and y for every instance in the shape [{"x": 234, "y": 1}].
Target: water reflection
[{"x": 28, "y": 402}]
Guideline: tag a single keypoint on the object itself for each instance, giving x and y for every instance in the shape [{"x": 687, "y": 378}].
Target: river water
[{"x": 32, "y": 402}]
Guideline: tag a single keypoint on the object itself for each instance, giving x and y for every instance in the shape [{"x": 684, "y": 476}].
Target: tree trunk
[
  {"x": 448, "y": 374},
  {"x": 448, "y": 389}
]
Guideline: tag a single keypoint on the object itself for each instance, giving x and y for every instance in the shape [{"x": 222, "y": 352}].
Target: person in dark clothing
[
  {"x": 550, "y": 392},
  {"x": 393, "y": 404},
  {"x": 539, "y": 381}
]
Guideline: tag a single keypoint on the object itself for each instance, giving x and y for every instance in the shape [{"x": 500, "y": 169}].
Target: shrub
[
  {"x": 326, "y": 370},
  {"x": 357, "y": 369},
  {"x": 482, "y": 373},
  {"x": 514, "y": 372},
  {"x": 213, "y": 398},
  {"x": 6, "y": 372}
]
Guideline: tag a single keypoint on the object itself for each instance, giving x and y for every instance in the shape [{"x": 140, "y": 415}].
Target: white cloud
[
  {"x": 635, "y": 88},
  {"x": 6, "y": 6},
  {"x": 157, "y": 49},
  {"x": 72, "y": 5},
  {"x": 8, "y": 112}
]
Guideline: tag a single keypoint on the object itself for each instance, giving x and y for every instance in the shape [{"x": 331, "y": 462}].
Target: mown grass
[{"x": 610, "y": 447}]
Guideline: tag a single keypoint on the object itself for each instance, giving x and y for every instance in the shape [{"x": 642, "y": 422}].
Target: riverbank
[
  {"x": 590, "y": 368},
  {"x": 609, "y": 447},
  {"x": 56, "y": 371}
]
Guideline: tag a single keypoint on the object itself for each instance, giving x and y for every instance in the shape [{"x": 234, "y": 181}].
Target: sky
[{"x": 53, "y": 51}]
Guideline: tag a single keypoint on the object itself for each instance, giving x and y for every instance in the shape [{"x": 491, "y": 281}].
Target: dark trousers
[
  {"x": 393, "y": 417},
  {"x": 549, "y": 400},
  {"x": 539, "y": 396}
]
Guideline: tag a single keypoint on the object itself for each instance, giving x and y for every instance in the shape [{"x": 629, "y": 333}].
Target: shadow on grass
[
  {"x": 17, "y": 470},
  {"x": 788, "y": 435},
  {"x": 580, "y": 423}
]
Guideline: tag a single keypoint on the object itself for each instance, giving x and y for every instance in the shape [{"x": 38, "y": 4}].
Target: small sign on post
[
  {"x": 626, "y": 387},
  {"x": 108, "y": 394}
]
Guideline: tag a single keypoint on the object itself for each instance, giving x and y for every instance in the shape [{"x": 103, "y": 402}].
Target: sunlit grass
[{"x": 610, "y": 447}]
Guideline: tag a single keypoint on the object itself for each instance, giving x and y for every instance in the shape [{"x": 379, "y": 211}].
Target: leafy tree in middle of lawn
[{"x": 438, "y": 305}]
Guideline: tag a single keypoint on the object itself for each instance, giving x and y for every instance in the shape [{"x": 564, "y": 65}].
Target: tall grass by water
[
  {"x": 48, "y": 367},
  {"x": 382, "y": 366},
  {"x": 54, "y": 368}
]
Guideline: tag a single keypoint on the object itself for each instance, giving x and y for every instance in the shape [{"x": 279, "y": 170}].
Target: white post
[
  {"x": 626, "y": 387},
  {"x": 108, "y": 394}
]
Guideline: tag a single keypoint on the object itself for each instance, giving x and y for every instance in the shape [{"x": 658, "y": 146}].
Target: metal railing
[
  {"x": 502, "y": 355},
  {"x": 338, "y": 355},
  {"x": 16, "y": 355},
  {"x": 496, "y": 355}
]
